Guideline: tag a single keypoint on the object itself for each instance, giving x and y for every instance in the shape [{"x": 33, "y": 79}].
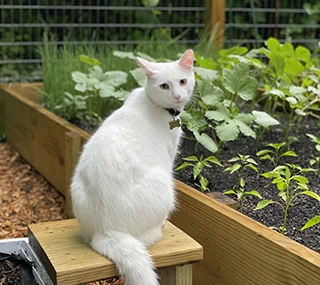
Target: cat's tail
[{"x": 130, "y": 256}]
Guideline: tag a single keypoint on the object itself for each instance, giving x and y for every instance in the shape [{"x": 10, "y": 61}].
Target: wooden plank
[
  {"x": 38, "y": 135},
  {"x": 71, "y": 153},
  {"x": 184, "y": 275},
  {"x": 238, "y": 250},
  {"x": 70, "y": 261},
  {"x": 215, "y": 20}
]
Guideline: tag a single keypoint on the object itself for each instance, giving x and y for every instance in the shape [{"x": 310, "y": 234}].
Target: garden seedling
[
  {"x": 291, "y": 183},
  {"x": 315, "y": 160},
  {"x": 240, "y": 163},
  {"x": 198, "y": 165},
  {"x": 275, "y": 155}
]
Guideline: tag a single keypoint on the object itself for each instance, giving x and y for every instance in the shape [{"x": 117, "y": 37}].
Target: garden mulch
[
  {"x": 26, "y": 198},
  {"x": 304, "y": 207}
]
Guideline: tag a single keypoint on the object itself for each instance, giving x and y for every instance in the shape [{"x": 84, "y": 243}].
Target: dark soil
[
  {"x": 305, "y": 207},
  {"x": 15, "y": 271}
]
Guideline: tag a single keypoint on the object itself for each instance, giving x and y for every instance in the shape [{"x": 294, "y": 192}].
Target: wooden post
[
  {"x": 215, "y": 19},
  {"x": 72, "y": 151}
]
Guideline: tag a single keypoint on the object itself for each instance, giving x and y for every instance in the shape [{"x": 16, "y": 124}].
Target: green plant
[
  {"x": 96, "y": 89},
  {"x": 275, "y": 154},
  {"x": 198, "y": 164},
  {"x": 216, "y": 110},
  {"x": 291, "y": 184},
  {"x": 311, "y": 223},
  {"x": 315, "y": 160},
  {"x": 239, "y": 164}
]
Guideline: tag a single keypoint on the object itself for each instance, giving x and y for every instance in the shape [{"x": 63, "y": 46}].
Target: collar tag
[{"x": 175, "y": 123}]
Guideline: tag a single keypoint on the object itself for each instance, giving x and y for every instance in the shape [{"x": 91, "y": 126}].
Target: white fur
[{"x": 122, "y": 188}]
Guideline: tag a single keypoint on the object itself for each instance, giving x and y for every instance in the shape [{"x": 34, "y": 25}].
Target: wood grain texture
[
  {"x": 71, "y": 261},
  {"x": 238, "y": 250},
  {"x": 71, "y": 153},
  {"x": 184, "y": 274},
  {"x": 37, "y": 134},
  {"x": 215, "y": 20}
]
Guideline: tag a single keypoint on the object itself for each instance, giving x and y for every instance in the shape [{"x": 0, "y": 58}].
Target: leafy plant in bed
[{"x": 226, "y": 126}]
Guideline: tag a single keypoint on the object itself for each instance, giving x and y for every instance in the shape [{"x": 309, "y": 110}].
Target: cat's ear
[
  {"x": 147, "y": 66},
  {"x": 186, "y": 60}
]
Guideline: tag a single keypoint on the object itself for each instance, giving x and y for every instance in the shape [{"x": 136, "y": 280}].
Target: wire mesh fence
[
  {"x": 98, "y": 22},
  {"x": 128, "y": 22},
  {"x": 251, "y": 22}
]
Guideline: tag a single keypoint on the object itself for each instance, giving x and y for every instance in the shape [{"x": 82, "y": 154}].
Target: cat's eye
[
  {"x": 183, "y": 82},
  {"x": 164, "y": 86}
]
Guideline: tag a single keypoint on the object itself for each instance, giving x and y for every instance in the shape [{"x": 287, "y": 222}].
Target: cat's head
[{"x": 170, "y": 85}]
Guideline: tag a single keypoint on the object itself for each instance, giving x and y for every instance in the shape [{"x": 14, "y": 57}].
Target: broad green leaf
[
  {"x": 263, "y": 152},
  {"x": 185, "y": 117},
  {"x": 214, "y": 160},
  {"x": 89, "y": 60},
  {"x": 234, "y": 159},
  {"x": 293, "y": 101},
  {"x": 253, "y": 167},
  {"x": 302, "y": 54},
  {"x": 191, "y": 158},
  {"x": 248, "y": 90},
  {"x": 212, "y": 96},
  {"x": 303, "y": 186},
  {"x": 275, "y": 92},
  {"x": 297, "y": 90},
  {"x": 207, "y": 142},
  {"x": 106, "y": 90},
  {"x": 237, "y": 81},
  {"x": 221, "y": 114},
  {"x": 312, "y": 222},
  {"x": 139, "y": 76},
  {"x": 204, "y": 183},
  {"x": 266, "y": 157},
  {"x": 233, "y": 50},
  {"x": 197, "y": 168},
  {"x": 276, "y": 146},
  {"x": 289, "y": 153},
  {"x": 227, "y": 131},
  {"x": 233, "y": 168},
  {"x": 253, "y": 193},
  {"x": 245, "y": 118},
  {"x": 244, "y": 128},
  {"x": 262, "y": 204},
  {"x": 228, "y": 192},
  {"x": 242, "y": 182},
  {"x": 293, "y": 67},
  {"x": 279, "y": 64},
  {"x": 273, "y": 44},
  {"x": 252, "y": 161},
  {"x": 123, "y": 54},
  {"x": 197, "y": 125},
  {"x": 115, "y": 78},
  {"x": 79, "y": 77},
  {"x": 121, "y": 94},
  {"x": 311, "y": 194},
  {"x": 206, "y": 73},
  {"x": 270, "y": 174},
  {"x": 287, "y": 50},
  {"x": 281, "y": 185},
  {"x": 183, "y": 165}
]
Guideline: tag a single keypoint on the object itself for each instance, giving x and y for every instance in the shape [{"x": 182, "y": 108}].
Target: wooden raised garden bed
[{"x": 237, "y": 250}]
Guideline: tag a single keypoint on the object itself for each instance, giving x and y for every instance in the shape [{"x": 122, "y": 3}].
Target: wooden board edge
[{"x": 55, "y": 118}]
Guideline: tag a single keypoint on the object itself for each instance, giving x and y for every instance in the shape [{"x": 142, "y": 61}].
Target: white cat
[{"x": 122, "y": 188}]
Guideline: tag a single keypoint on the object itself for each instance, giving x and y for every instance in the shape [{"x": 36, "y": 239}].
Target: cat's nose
[{"x": 177, "y": 97}]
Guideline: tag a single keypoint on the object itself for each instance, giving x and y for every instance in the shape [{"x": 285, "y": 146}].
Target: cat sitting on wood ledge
[{"x": 122, "y": 189}]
